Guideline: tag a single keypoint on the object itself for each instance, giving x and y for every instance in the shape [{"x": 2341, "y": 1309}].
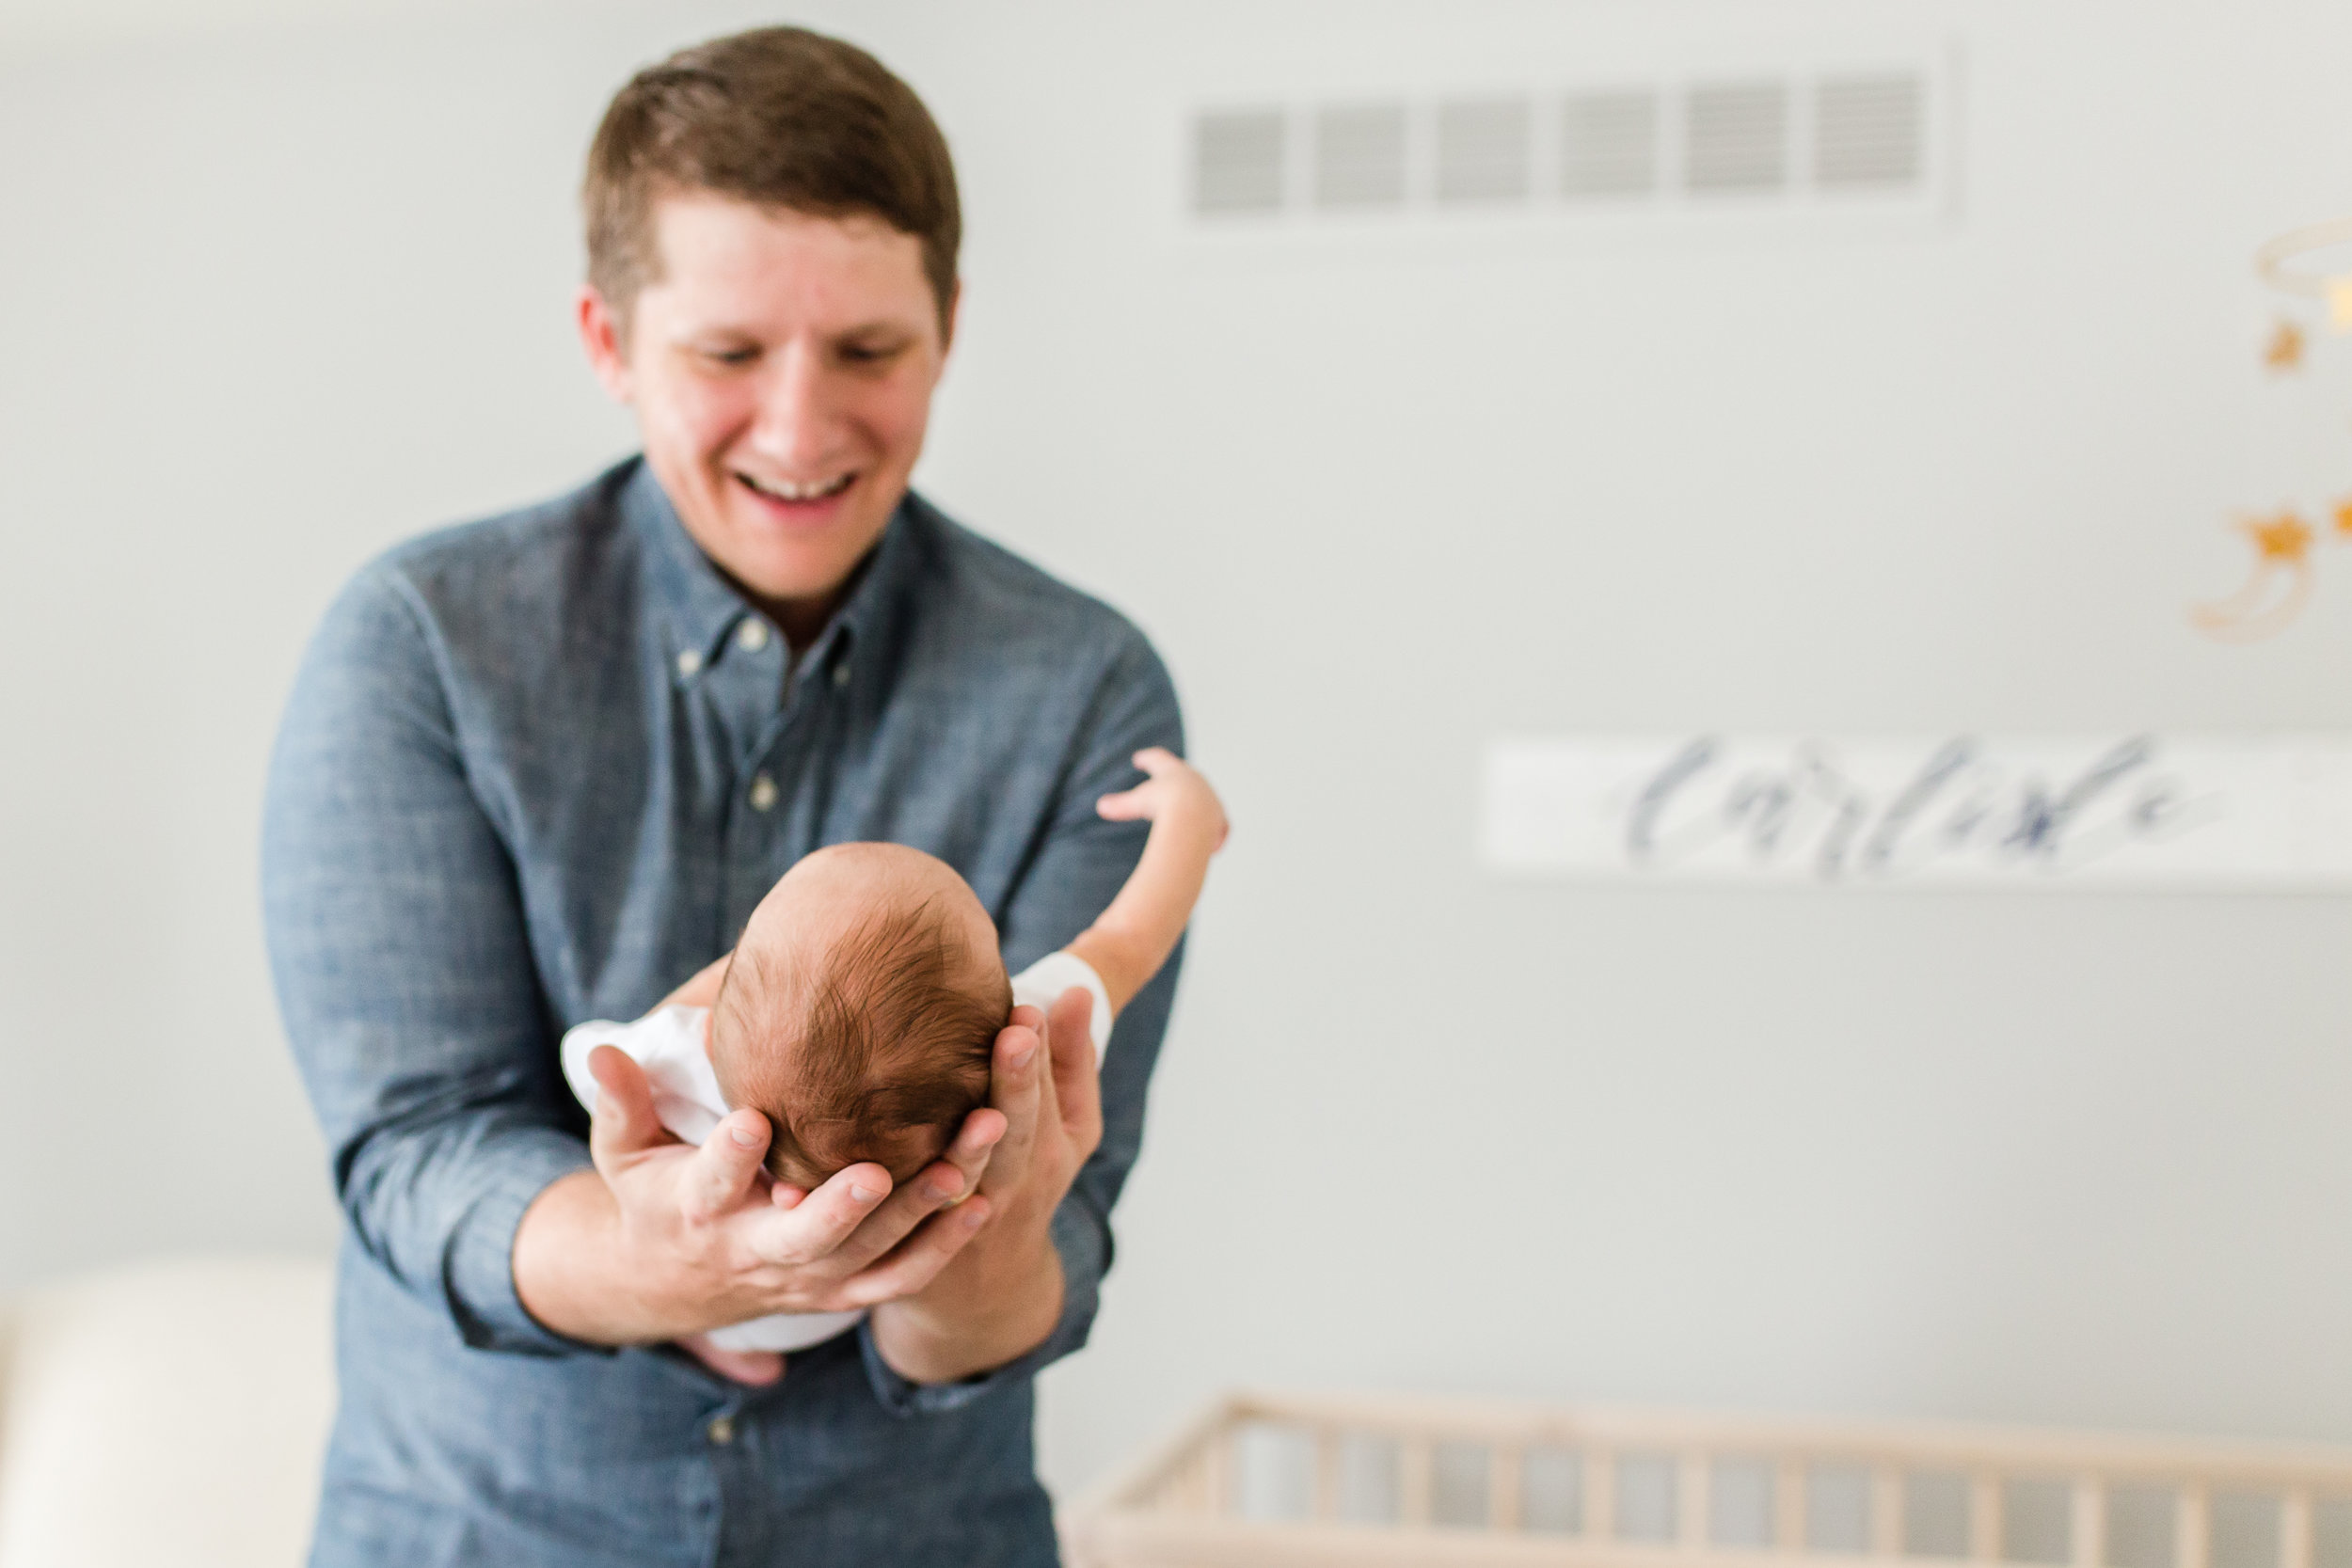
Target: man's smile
[{"x": 786, "y": 491}]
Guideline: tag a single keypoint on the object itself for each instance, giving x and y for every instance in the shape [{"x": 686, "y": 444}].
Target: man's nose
[{"x": 797, "y": 423}]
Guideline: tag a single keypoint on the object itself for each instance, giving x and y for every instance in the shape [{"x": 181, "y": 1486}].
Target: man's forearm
[
  {"x": 565, "y": 1252},
  {"x": 986, "y": 1308}
]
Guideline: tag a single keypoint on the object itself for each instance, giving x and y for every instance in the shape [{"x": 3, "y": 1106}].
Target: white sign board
[{"x": 1893, "y": 810}]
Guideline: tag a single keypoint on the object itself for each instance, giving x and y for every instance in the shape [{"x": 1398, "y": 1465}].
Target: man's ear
[
  {"x": 955, "y": 314},
  {"x": 601, "y": 337}
]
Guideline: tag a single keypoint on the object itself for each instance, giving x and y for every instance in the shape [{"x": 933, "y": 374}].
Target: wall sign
[{"x": 1889, "y": 811}]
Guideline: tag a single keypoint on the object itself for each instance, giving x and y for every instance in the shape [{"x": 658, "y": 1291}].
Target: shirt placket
[{"x": 768, "y": 705}]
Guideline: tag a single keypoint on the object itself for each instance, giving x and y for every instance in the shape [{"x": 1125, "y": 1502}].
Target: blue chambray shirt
[{"x": 539, "y": 769}]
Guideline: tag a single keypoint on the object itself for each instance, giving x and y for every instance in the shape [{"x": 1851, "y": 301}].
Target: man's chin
[
  {"x": 789, "y": 564},
  {"x": 804, "y": 580}
]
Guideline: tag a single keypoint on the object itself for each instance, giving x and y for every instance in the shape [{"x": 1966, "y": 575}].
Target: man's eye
[
  {"x": 868, "y": 353},
  {"x": 731, "y": 355}
]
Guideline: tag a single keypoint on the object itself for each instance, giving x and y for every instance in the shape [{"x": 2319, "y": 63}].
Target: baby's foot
[{"x": 757, "y": 1368}]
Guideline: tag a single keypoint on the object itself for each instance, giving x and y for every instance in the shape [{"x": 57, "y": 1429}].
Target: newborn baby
[{"x": 860, "y": 1009}]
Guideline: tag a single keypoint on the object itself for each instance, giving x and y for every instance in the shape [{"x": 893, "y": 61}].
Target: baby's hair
[{"x": 878, "y": 1052}]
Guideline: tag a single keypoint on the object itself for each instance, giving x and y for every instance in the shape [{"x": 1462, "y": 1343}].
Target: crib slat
[
  {"x": 1187, "y": 1490},
  {"x": 1413, "y": 1466},
  {"x": 1984, "y": 1517},
  {"x": 2088, "y": 1535},
  {"x": 2192, "y": 1532},
  {"x": 2294, "y": 1530},
  {"x": 1217, "y": 1481},
  {"x": 1600, "y": 1494},
  {"x": 1789, "y": 1523},
  {"x": 1691, "y": 1498},
  {"x": 1506, "y": 1480},
  {"x": 1886, "y": 1510},
  {"x": 1326, "y": 1473}
]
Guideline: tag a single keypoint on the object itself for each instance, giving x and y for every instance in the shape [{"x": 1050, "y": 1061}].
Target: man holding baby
[{"x": 541, "y": 770}]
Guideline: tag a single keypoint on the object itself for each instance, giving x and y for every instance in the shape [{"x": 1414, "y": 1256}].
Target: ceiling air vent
[
  {"x": 1237, "y": 161},
  {"x": 1483, "y": 149},
  {"x": 1867, "y": 131},
  {"x": 1359, "y": 155},
  {"x": 1736, "y": 137},
  {"x": 1860, "y": 136},
  {"x": 1608, "y": 144}
]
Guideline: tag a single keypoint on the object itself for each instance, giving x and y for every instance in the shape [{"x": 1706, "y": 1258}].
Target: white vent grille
[
  {"x": 1867, "y": 131},
  {"x": 1720, "y": 148},
  {"x": 1737, "y": 137},
  {"x": 1608, "y": 144},
  {"x": 1483, "y": 149},
  {"x": 1237, "y": 161},
  {"x": 1359, "y": 155}
]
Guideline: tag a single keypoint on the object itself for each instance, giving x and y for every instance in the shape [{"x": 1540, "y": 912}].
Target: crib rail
[{"x": 1308, "y": 1480}]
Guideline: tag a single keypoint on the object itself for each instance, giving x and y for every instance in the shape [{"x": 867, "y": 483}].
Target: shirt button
[
  {"x": 763, "y": 792},
  {"x": 721, "y": 1430},
  {"x": 751, "y": 635},
  {"x": 688, "y": 662},
  {"x": 841, "y": 674}
]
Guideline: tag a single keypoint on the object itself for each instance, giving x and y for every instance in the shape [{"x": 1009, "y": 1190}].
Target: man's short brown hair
[{"x": 778, "y": 116}]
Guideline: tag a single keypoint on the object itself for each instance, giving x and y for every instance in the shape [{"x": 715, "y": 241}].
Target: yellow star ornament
[
  {"x": 2279, "y": 586},
  {"x": 2285, "y": 351},
  {"x": 2287, "y": 538}
]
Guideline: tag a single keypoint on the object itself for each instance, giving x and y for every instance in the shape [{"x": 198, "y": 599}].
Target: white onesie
[{"x": 672, "y": 1045}]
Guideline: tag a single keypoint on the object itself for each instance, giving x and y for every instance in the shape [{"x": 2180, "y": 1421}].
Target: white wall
[{"x": 276, "y": 294}]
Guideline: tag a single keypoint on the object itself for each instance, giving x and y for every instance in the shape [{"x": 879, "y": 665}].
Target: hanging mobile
[{"x": 2284, "y": 572}]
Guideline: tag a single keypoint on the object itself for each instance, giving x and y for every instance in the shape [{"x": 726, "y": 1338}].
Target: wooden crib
[{"x": 1311, "y": 1481}]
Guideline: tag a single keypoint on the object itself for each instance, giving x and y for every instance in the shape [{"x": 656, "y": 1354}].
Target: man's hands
[
  {"x": 664, "y": 1240},
  {"x": 1002, "y": 1295},
  {"x": 1047, "y": 1088}
]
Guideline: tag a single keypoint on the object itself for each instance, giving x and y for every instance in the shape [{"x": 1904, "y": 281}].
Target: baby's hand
[{"x": 1174, "y": 794}]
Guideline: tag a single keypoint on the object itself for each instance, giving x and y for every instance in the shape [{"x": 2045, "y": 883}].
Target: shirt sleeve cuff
[
  {"x": 1083, "y": 1241},
  {"x": 478, "y": 1268}
]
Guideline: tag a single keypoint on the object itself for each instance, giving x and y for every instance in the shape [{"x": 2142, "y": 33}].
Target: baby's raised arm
[{"x": 1127, "y": 945}]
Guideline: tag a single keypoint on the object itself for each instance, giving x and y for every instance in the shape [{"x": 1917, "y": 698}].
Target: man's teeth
[{"x": 784, "y": 490}]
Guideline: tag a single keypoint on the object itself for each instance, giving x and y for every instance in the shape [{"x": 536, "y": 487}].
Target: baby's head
[{"x": 860, "y": 1011}]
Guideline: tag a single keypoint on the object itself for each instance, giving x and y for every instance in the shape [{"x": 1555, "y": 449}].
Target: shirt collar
[{"x": 703, "y": 609}]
